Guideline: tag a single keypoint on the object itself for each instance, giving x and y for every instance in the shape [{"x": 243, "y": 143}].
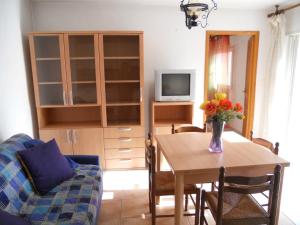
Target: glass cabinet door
[
  {"x": 49, "y": 72},
  {"x": 82, "y": 69}
]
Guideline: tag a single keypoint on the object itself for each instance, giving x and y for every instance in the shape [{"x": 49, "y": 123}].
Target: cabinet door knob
[
  {"x": 74, "y": 137},
  {"x": 69, "y": 137},
  {"x": 125, "y": 128},
  {"x": 71, "y": 98},
  {"x": 65, "y": 97},
  {"x": 125, "y": 160},
  {"x": 125, "y": 139},
  {"x": 125, "y": 150}
]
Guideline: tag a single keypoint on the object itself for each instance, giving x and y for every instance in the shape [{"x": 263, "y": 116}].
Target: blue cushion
[
  {"x": 8, "y": 219},
  {"x": 45, "y": 166},
  {"x": 34, "y": 142}
]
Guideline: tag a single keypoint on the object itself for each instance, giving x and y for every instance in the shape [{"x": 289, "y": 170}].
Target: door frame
[{"x": 250, "y": 85}]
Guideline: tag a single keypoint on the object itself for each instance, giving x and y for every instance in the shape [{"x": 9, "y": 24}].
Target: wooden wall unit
[{"x": 89, "y": 93}]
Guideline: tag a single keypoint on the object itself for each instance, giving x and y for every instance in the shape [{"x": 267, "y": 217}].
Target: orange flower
[
  {"x": 210, "y": 109},
  {"x": 238, "y": 107},
  {"x": 202, "y": 106},
  {"x": 225, "y": 104}
]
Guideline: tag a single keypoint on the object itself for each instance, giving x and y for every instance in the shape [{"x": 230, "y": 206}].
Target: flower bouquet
[{"x": 219, "y": 111}]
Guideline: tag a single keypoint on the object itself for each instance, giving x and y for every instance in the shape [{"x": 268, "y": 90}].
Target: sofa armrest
[{"x": 85, "y": 159}]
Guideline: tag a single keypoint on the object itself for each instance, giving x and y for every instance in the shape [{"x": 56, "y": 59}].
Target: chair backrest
[
  {"x": 250, "y": 185},
  {"x": 188, "y": 129},
  {"x": 150, "y": 162},
  {"x": 265, "y": 143}
]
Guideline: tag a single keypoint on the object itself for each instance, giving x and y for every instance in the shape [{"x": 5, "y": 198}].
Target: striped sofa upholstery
[{"x": 73, "y": 202}]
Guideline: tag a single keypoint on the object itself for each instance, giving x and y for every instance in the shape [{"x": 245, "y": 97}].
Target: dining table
[{"x": 192, "y": 163}]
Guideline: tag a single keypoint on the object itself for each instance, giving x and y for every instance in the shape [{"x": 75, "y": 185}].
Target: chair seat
[
  {"x": 236, "y": 206},
  {"x": 165, "y": 184}
]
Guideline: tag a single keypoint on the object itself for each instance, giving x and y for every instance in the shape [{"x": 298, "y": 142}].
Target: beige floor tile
[
  {"x": 170, "y": 221},
  {"x": 110, "y": 212},
  {"x": 136, "y": 221},
  {"x": 135, "y": 207},
  {"x": 110, "y": 222}
]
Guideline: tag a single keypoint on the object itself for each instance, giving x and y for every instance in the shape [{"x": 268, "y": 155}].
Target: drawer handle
[
  {"x": 125, "y": 129},
  {"x": 125, "y": 150},
  {"x": 125, "y": 160},
  {"x": 125, "y": 139}
]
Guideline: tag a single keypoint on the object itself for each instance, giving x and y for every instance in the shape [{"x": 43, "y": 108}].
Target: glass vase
[{"x": 216, "y": 143}]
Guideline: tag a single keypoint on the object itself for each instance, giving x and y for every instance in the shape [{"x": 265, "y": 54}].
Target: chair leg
[
  {"x": 186, "y": 202},
  {"x": 153, "y": 212},
  {"x": 150, "y": 203},
  {"x": 213, "y": 186},
  {"x": 202, "y": 218},
  {"x": 197, "y": 208}
]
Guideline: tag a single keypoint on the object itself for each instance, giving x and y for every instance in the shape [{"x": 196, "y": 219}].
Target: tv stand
[{"x": 164, "y": 114}]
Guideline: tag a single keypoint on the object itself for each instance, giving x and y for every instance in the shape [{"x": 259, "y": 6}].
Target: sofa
[{"x": 76, "y": 201}]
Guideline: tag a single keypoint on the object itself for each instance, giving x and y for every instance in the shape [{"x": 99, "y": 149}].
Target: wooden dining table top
[{"x": 188, "y": 152}]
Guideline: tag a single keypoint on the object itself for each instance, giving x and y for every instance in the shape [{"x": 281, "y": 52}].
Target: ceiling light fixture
[{"x": 196, "y": 12}]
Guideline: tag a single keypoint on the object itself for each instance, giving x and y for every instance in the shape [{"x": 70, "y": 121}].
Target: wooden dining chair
[
  {"x": 233, "y": 203},
  {"x": 265, "y": 143},
  {"x": 269, "y": 145},
  {"x": 188, "y": 129},
  {"x": 162, "y": 183}
]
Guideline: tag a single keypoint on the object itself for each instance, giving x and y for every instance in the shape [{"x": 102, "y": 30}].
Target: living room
[{"x": 90, "y": 99}]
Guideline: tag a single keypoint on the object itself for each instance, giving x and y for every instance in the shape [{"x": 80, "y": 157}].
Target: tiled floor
[{"x": 125, "y": 201}]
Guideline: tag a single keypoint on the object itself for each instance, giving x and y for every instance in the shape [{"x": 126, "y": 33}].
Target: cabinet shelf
[
  {"x": 47, "y": 59},
  {"x": 121, "y": 57},
  {"x": 69, "y": 106},
  {"x": 84, "y": 82},
  {"x": 122, "y": 103},
  {"x": 50, "y": 82},
  {"x": 168, "y": 113},
  {"x": 70, "y": 125},
  {"x": 121, "y": 81},
  {"x": 82, "y": 58},
  {"x": 123, "y": 123}
]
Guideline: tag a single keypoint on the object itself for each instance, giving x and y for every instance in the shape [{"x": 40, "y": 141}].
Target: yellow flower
[
  {"x": 220, "y": 96},
  {"x": 215, "y": 101},
  {"x": 202, "y": 106}
]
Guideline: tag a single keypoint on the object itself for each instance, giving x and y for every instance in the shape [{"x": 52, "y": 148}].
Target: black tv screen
[{"x": 176, "y": 84}]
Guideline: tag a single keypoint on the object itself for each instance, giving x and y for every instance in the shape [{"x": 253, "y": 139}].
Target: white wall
[
  {"x": 15, "y": 103},
  {"x": 239, "y": 65},
  {"x": 168, "y": 43},
  {"x": 292, "y": 19}
]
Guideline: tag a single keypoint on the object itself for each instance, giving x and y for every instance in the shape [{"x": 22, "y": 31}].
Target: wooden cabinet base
[{"x": 129, "y": 163}]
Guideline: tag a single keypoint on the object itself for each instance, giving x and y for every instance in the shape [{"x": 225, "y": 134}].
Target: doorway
[{"x": 230, "y": 67}]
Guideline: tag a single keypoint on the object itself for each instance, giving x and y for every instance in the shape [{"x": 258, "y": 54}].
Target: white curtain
[
  {"x": 290, "y": 144},
  {"x": 281, "y": 111},
  {"x": 271, "y": 123}
]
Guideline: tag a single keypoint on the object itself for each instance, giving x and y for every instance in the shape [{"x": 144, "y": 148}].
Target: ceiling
[{"x": 227, "y": 4}]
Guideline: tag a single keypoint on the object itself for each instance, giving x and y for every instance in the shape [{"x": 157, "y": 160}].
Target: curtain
[
  {"x": 290, "y": 148},
  {"x": 219, "y": 65},
  {"x": 274, "y": 81}
]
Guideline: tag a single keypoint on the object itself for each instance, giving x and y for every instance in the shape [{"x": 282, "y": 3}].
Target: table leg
[
  {"x": 279, "y": 197},
  {"x": 158, "y": 159},
  {"x": 179, "y": 192}
]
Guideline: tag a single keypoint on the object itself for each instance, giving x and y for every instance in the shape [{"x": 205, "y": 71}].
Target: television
[{"x": 175, "y": 85}]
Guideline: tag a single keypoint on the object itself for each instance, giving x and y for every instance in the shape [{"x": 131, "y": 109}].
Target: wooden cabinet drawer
[
  {"x": 124, "y": 142},
  {"x": 118, "y": 132},
  {"x": 125, "y": 163},
  {"x": 121, "y": 153}
]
